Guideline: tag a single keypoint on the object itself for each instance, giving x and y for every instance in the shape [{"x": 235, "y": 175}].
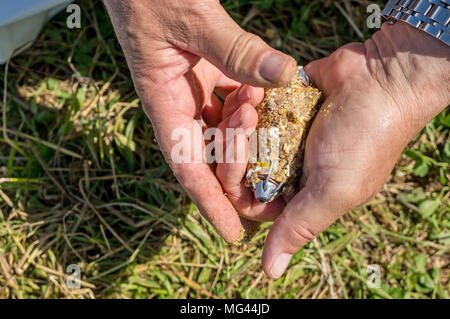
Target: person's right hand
[{"x": 178, "y": 52}]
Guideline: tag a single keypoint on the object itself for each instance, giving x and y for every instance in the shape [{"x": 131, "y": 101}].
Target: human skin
[
  {"x": 163, "y": 40},
  {"x": 379, "y": 94}
]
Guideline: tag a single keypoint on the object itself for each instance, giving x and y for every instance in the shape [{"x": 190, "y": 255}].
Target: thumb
[
  {"x": 314, "y": 70},
  {"x": 306, "y": 215},
  {"x": 241, "y": 55}
]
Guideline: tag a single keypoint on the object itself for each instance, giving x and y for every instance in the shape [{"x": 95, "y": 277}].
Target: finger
[
  {"x": 310, "y": 212},
  {"x": 212, "y": 111},
  {"x": 207, "y": 77},
  {"x": 318, "y": 70},
  {"x": 245, "y": 94},
  {"x": 233, "y": 143},
  {"x": 242, "y": 56},
  {"x": 197, "y": 178},
  {"x": 171, "y": 109},
  {"x": 231, "y": 173},
  {"x": 313, "y": 69},
  {"x": 225, "y": 86}
]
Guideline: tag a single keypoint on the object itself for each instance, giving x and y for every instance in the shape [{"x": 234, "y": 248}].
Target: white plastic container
[{"x": 21, "y": 21}]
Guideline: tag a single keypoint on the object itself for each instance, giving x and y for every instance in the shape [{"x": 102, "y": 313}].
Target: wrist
[{"x": 413, "y": 67}]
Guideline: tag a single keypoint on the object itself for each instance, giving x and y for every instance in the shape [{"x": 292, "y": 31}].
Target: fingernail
[
  {"x": 280, "y": 264},
  {"x": 271, "y": 67},
  {"x": 235, "y": 119},
  {"x": 243, "y": 94}
]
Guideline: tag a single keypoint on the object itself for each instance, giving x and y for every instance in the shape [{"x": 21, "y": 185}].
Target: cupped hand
[
  {"x": 379, "y": 95},
  {"x": 179, "y": 52}
]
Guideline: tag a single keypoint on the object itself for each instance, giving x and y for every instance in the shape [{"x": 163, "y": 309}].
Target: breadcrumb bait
[{"x": 284, "y": 118}]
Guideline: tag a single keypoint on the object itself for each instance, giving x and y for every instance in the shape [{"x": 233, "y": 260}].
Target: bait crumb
[
  {"x": 326, "y": 109},
  {"x": 238, "y": 241}
]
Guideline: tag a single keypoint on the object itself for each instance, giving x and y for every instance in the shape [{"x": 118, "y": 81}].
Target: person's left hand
[{"x": 375, "y": 104}]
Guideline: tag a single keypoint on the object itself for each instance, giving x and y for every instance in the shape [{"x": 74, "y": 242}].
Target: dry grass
[{"x": 82, "y": 181}]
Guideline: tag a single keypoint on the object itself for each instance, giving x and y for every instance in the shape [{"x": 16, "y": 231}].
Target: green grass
[{"x": 82, "y": 181}]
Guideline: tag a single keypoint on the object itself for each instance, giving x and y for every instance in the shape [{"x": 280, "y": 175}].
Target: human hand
[
  {"x": 379, "y": 95},
  {"x": 167, "y": 45},
  {"x": 239, "y": 119}
]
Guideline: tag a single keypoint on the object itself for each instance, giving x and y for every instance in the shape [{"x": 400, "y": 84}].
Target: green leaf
[
  {"x": 80, "y": 96},
  {"x": 295, "y": 274},
  {"x": 446, "y": 120},
  {"x": 339, "y": 244},
  {"x": 254, "y": 294},
  {"x": 52, "y": 83},
  {"x": 427, "y": 283},
  {"x": 416, "y": 196},
  {"x": 429, "y": 206},
  {"x": 297, "y": 256},
  {"x": 204, "y": 275},
  {"x": 199, "y": 232},
  {"x": 420, "y": 169},
  {"x": 444, "y": 237},
  {"x": 45, "y": 117},
  {"x": 447, "y": 150},
  {"x": 33, "y": 106},
  {"x": 420, "y": 263},
  {"x": 442, "y": 178}
]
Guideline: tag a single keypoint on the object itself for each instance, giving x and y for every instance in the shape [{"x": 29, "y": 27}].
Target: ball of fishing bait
[{"x": 284, "y": 117}]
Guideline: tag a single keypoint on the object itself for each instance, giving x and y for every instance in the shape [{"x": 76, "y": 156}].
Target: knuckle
[
  {"x": 346, "y": 61},
  {"x": 302, "y": 232},
  {"x": 297, "y": 234},
  {"x": 190, "y": 21},
  {"x": 239, "y": 49}
]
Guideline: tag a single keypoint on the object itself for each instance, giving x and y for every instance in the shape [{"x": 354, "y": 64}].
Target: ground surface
[{"x": 82, "y": 181}]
